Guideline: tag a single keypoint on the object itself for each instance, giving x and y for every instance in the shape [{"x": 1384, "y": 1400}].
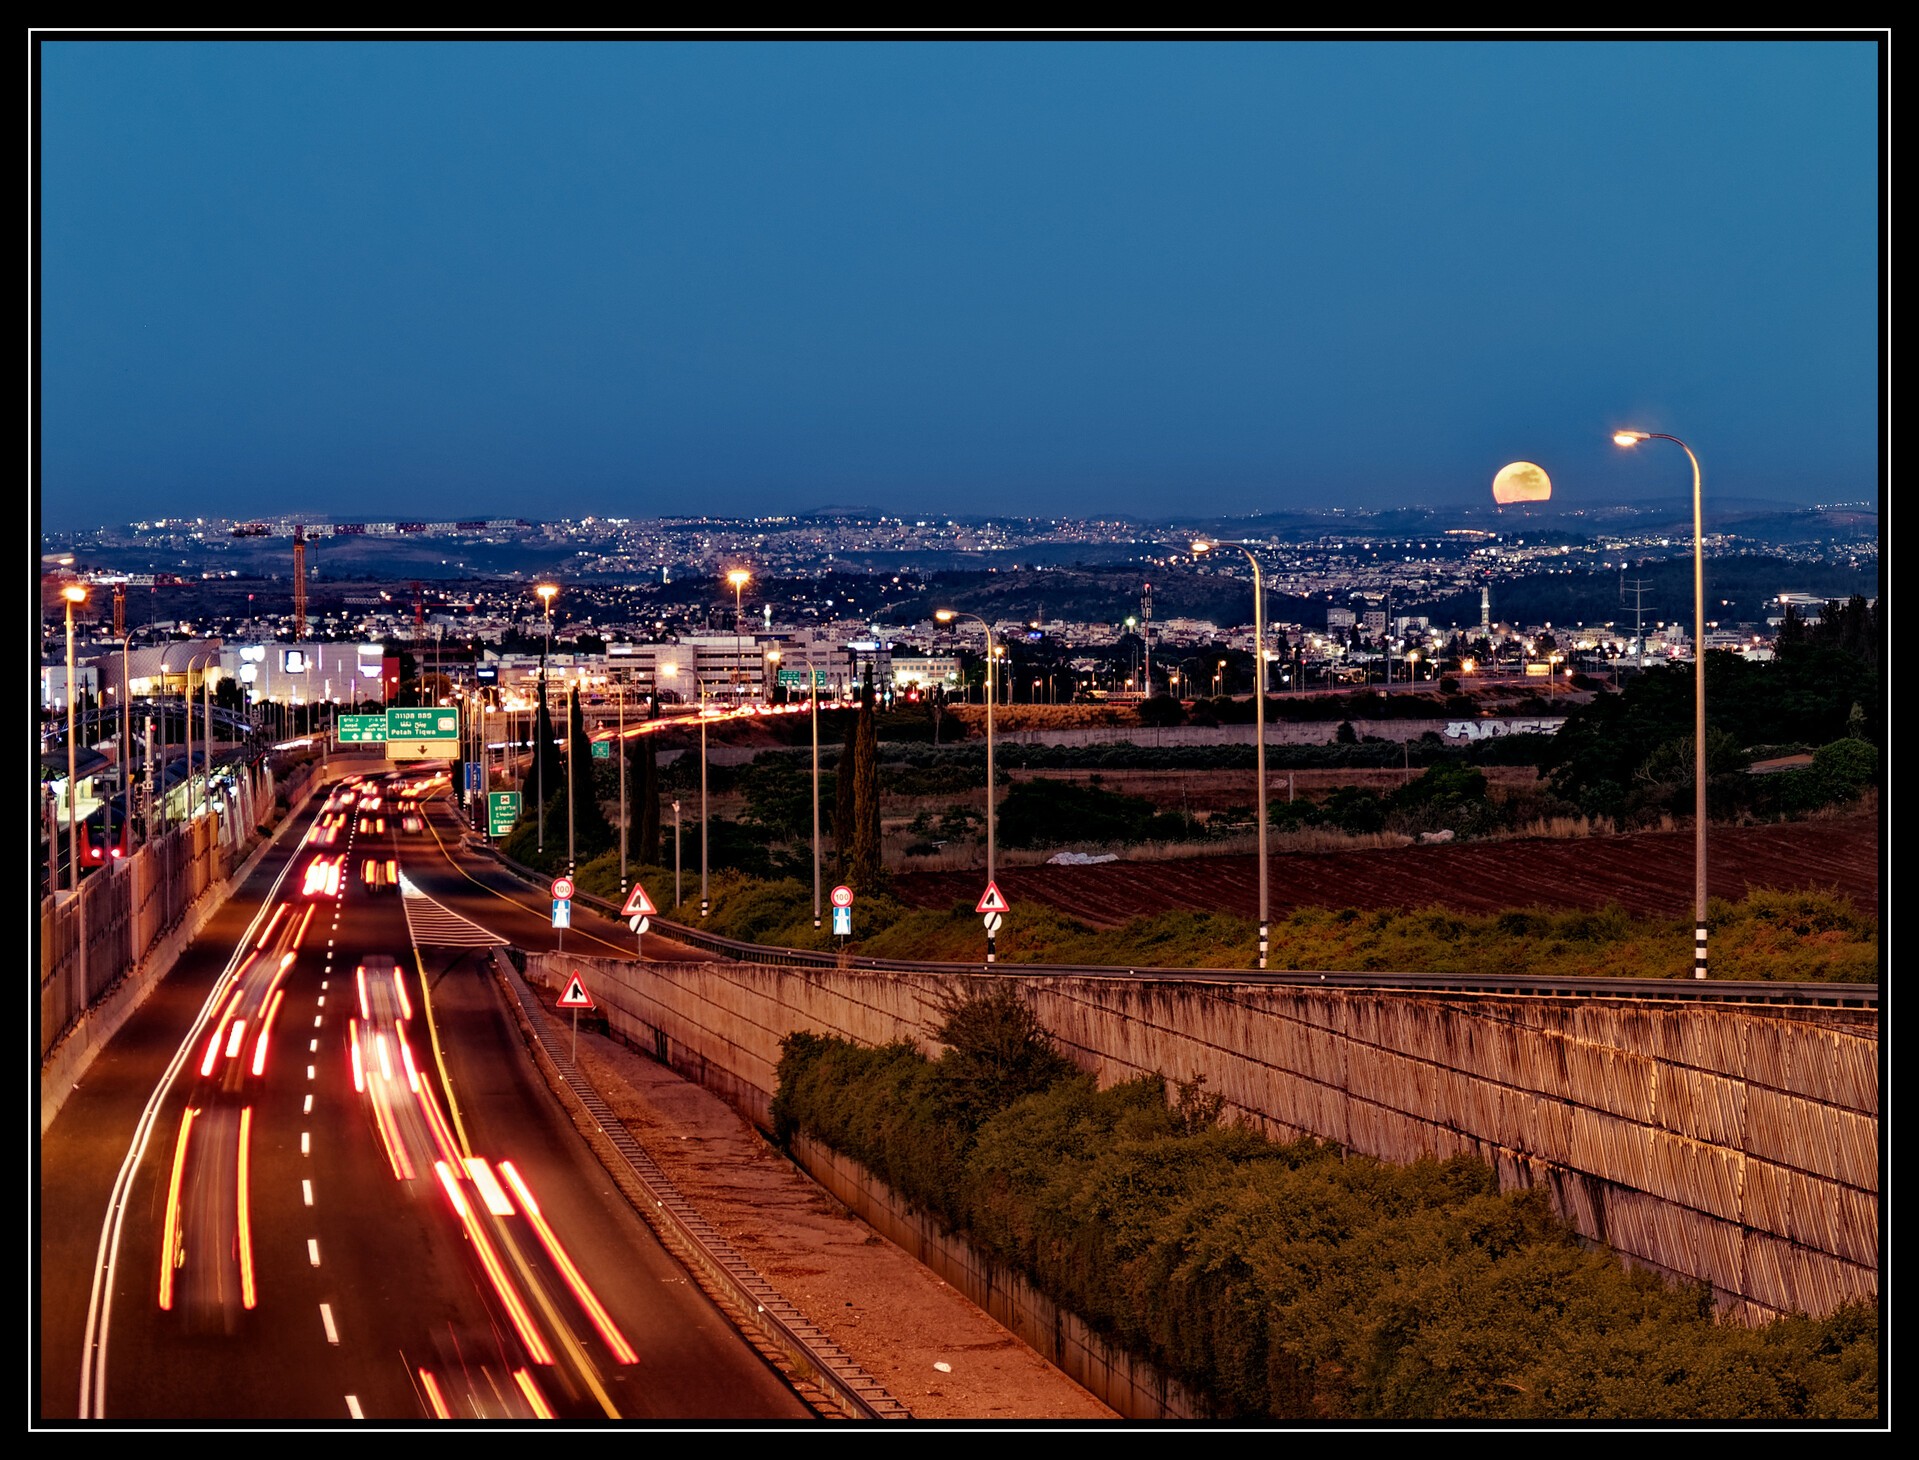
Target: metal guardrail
[{"x": 1678, "y": 989}]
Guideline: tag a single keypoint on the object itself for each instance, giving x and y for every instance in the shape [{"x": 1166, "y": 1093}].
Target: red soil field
[{"x": 1646, "y": 873}]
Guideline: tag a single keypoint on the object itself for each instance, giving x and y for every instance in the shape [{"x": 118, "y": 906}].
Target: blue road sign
[
  {"x": 475, "y": 776},
  {"x": 843, "y": 921},
  {"x": 562, "y": 912}
]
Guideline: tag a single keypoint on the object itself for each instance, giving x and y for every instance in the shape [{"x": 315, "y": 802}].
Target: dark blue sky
[{"x": 433, "y": 279}]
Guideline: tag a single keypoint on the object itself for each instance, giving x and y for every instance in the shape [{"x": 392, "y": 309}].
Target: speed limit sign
[
  {"x": 562, "y": 888},
  {"x": 842, "y": 896}
]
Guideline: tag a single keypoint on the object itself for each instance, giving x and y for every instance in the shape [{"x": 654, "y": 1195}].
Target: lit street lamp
[
  {"x": 1633, "y": 438},
  {"x": 739, "y": 578},
  {"x": 1259, "y": 720},
  {"x": 946, "y": 616},
  {"x": 73, "y": 593},
  {"x": 546, "y": 592}
]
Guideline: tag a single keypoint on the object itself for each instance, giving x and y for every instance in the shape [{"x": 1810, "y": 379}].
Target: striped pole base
[
  {"x": 1699, "y": 951},
  {"x": 1262, "y": 944}
]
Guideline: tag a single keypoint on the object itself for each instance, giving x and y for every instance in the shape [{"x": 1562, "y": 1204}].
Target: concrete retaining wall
[{"x": 1730, "y": 1143}]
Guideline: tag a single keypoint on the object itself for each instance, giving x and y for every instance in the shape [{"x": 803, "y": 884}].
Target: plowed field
[{"x": 1647, "y": 873}]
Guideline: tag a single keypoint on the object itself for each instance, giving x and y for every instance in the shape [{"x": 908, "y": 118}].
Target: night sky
[{"x": 640, "y": 277}]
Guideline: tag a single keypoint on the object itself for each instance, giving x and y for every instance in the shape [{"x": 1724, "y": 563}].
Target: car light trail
[
  {"x": 516, "y": 1310},
  {"x": 170, "y": 1229},
  {"x": 386, "y": 1059},
  {"x": 435, "y": 1401},
  {"x": 533, "y": 1396},
  {"x": 303, "y": 926},
  {"x": 359, "y": 975},
  {"x": 399, "y": 987},
  {"x": 491, "y": 1192},
  {"x": 406, "y": 1057},
  {"x": 359, "y": 1065},
  {"x": 584, "y": 1295},
  {"x": 266, "y": 1026},
  {"x": 271, "y": 924},
  {"x": 234, "y": 1038},
  {"x": 247, "y": 1294}
]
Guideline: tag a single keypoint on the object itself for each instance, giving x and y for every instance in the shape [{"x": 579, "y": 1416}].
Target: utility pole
[
  {"x": 1638, "y": 614},
  {"x": 1146, "y": 635}
]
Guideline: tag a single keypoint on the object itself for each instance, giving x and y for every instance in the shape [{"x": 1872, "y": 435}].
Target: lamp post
[
  {"x": 73, "y": 593},
  {"x": 705, "y": 902},
  {"x": 813, "y": 699},
  {"x": 1633, "y": 438},
  {"x": 620, "y": 690},
  {"x": 186, "y": 705},
  {"x": 572, "y": 700},
  {"x": 546, "y": 592},
  {"x": 739, "y": 578},
  {"x": 126, "y": 747},
  {"x": 676, "y": 854},
  {"x": 946, "y": 616},
  {"x": 1259, "y": 721}
]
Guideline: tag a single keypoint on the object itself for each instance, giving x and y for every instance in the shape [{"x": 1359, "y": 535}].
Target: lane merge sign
[
  {"x": 638, "y": 904},
  {"x": 576, "y": 996},
  {"x": 993, "y": 900}
]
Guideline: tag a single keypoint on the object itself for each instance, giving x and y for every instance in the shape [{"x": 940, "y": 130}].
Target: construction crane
[{"x": 299, "y": 584}]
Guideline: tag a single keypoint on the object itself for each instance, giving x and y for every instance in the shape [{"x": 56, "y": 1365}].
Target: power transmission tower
[{"x": 1638, "y": 613}]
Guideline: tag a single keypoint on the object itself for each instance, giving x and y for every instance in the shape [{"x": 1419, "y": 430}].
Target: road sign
[
  {"x": 562, "y": 888},
  {"x": 638, "y": 902},
  {"x": 842, "y": 896},
  {"x": 502, "y": 810},
  {"x": 993, "y": 900},
  {"x": 562, "y": 913},
  {"x": 576, "y": 996},
  {"x": 429, "y": 732},
  {"x": 639, "y": 922},
  {"x": 475, "y": 776},
  {"x": 993, "y": 921},
  {"x": 602, "y": 749},
  {"x": 843, "y": 921},
  {"x": 361, "y": 729}
]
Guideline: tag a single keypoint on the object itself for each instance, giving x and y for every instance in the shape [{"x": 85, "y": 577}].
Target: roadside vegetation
[{"x": 1289, "y": 1281}]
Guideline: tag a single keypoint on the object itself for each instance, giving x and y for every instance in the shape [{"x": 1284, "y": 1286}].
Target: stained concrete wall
[{"x": 1733, "y": 1143}]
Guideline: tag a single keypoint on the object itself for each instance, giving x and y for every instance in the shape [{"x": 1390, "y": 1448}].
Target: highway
[{"x": 316, "y": 1177}]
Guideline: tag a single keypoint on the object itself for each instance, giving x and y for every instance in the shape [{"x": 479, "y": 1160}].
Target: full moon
[{"x": 1521, "y": 482}]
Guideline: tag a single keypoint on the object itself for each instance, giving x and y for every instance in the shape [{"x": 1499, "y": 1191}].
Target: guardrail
[{"x": 1678, "y": 989}]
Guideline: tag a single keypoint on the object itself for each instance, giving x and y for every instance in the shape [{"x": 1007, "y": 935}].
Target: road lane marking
[
  {"x": 353, "y": 1406},
  {"x": 309, "y": 1072},
  {"x": 313, "y": 1046},
  {"x": 313, "y": 1251},
  {"x": 303, "y": 1144},
  {"x": 326, "y": 1317},
  {"x": 307, "y": 1109},
  {"x": 318, "y": 1020},
  {"x": 306, "y": 1191}
]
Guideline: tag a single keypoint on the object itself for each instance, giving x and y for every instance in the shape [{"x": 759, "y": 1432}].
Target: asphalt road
[{"x": 384, "y": 1237}]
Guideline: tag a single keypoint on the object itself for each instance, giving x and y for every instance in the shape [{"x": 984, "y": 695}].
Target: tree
[
  {"x": 843, "y": 799},
  {"x": 643, "y": 797},
  {"x": 591, "y": 833},
  {"x": 864, "y": 869},
  {"x": 546, "y": 769}
]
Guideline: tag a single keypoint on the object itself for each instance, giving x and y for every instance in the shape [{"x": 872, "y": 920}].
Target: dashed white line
[
  {"x": 304, "y": 1148},
  {"x": 322, "y": 1001},
  {"x": 353, "y": 1406},
  {"x": 326, "y": 1317},
  {"x": 318, "y": 1020},
  {"x": 313, "y": 1251},
  {"x": 313, "y": 1046},
  {"x": 306, "y": 1192},
  {"x": 309, "y": 1072},
  {"x": 307, "y": 1109}
]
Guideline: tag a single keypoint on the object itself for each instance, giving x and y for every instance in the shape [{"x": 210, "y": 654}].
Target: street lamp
[
  {"x": 1412, "y": 666},
  {"x": 73, "y": 593},
  {"x": 739, "y": 578},
  {"x": 1259, "y": 720},
  {"x": 946, "y": 616},
  {"x": 546, "y": 592},
  {"x": 1633, "y": 438}
]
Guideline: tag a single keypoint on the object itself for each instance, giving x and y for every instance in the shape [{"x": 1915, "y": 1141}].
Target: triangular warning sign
[
  {"x": 576, "y": 996},
  {"x": 993, "y": 900},
  {"x": 637, "y": 902}
]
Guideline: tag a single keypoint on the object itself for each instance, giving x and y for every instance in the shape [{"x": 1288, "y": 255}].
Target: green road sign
[
  {"x": 361, "y": 729},
  {"x": 602, "y": 750},
  {"x": 502, "y": 810},
  {"x": 796, "y": 678},
  {"x": 430, "y": 732},
  {"x": 432, "y": 722}
]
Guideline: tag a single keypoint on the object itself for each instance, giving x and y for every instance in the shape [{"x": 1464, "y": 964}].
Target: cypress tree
[
  {"x": 643, "y": 811},
  {"x": 864, "y": 867},
  {"x": 592, "y": 832},
  {"x": 843, "y": 800},
  {"x": 547, "y": 770}
]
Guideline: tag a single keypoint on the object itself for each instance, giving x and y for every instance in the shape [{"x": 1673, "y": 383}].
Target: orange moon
[{"x": 1521, "y": 482}]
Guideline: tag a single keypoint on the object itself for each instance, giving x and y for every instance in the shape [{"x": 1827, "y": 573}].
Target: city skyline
[{"x": 448, "y": 278}]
